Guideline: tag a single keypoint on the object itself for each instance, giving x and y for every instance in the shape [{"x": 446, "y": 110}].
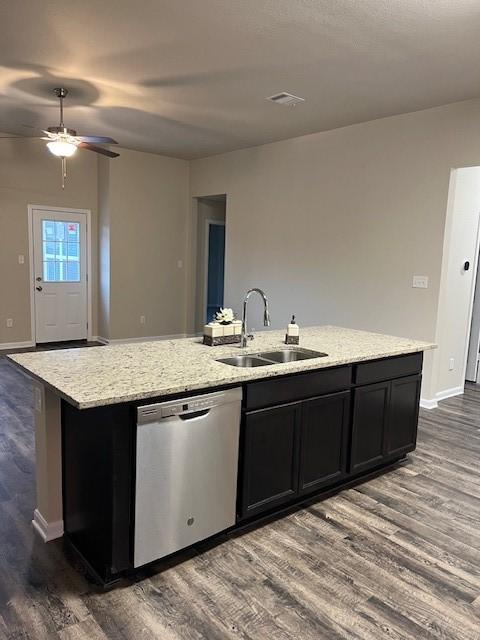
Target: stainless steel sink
[
  {"x": 272, "y": 357},
  {"x": 290, "y": 355},
  {"x": 245, "y": 361}
]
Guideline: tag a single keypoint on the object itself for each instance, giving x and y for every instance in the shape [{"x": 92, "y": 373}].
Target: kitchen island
[{"x": 307, "y": 426}]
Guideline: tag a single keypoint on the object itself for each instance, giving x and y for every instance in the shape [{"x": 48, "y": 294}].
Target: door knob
[{"x": 39, "y": 288}]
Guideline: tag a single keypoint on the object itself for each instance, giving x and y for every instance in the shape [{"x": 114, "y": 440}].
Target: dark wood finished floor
[
  {"x": 396, "y": 558},
  {"x": 49, "y": 346}
]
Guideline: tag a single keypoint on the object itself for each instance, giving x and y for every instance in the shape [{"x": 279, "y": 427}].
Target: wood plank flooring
[{"x": 396, "y": 558}]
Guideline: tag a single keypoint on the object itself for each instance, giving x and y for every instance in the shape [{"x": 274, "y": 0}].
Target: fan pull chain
[{"x": 64, "y": 171}]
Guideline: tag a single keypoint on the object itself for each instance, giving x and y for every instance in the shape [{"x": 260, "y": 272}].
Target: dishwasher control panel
[
  {"x": 186, "y": 407},
  {"x": 153, "y": 412}
]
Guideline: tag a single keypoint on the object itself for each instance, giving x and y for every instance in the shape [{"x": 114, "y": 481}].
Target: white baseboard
[
  {"x": 16, "y": 345},
  {"x": 175, "y": 336},
  {"x": 449, "y": 393},
  {"x": 47, "y": 530},
  {"x": 428, "y": 404},
  {"x": 441, "y": 395}
]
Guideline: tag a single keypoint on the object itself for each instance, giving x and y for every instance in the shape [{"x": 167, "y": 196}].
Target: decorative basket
[{"x": 216, "y": 334}]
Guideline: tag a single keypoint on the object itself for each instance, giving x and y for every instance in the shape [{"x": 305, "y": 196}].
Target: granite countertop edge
[{"x": 232, "y": 375}]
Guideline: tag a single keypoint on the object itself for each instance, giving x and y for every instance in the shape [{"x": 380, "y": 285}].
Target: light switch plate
[
  {"x": 21, "y": 259},
  {"x": 420, "y": 282}
]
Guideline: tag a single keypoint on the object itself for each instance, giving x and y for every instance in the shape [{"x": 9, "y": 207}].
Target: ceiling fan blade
[
  {"x": 92, "y": 147},
  {"x": 97, "y": 139},
  {"x": 21, "y": 138}
]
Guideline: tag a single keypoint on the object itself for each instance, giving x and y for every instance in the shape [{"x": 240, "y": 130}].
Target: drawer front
[
  {"x": 396, "y": 367},
  {"x": 296, "y": 387}
]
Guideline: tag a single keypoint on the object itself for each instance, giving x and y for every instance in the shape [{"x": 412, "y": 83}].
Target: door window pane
[
  {"x": 72, "y": 273},
  {"x": 49, "y": 271},
  {"x": 61, "y": 251},
  {"x": 72, "y": 249},
  {"x": 48, "y": 230},
  {"x": 49, "y": 250},
  {"x": 59, "y": 230}
]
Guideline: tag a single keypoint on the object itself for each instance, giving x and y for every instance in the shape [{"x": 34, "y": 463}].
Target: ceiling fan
[{"x": 64, "y": 142}]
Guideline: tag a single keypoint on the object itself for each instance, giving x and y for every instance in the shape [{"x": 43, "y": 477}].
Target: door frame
[
  {"x": 88, "y": 219},
  {"x": 208, "y": 223}
]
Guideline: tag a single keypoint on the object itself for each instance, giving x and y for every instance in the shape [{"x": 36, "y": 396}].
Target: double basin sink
[{"x": 265, "y": 358}]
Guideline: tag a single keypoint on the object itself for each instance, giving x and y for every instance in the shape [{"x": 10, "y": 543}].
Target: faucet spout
[{"x": 266, "y": 315}]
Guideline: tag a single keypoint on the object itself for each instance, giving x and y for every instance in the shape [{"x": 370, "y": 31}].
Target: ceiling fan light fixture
[{"x": 61, "y": 148}]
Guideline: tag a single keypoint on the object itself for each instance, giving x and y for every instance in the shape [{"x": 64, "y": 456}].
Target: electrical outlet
[
  {"x": 451, "y": 364},
  {"x": 21, "y": 259},
  {"x": 420, "y": 282},
  {"x": 9, "y": 323},
  {"x": 180, "y": 264},
  {"x": 142, "y": 319}
]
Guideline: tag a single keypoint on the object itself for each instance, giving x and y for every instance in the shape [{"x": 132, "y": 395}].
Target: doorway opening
[
  {"x": 458, "y": 317},
  {"x": 472, "y": 373},
  {"x": 60, "y": 263},
  {"x": 210, "y": 267}
]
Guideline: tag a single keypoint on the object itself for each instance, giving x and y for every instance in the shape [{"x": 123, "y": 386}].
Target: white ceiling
[{"x": 188, "y": 78}]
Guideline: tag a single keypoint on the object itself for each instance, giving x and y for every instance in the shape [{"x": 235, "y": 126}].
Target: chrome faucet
[{"x": 266, "y": 316}]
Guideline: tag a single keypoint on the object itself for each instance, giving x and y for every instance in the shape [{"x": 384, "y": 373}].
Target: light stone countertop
[{"x": 97, "y": 376}]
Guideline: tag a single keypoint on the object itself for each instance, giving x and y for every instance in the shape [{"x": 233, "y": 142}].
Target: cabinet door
[
  {"x": 269, "y": 468},
  {"x": 323, "y": 443},
  {"x": 370, "y": 416},
  {"x": 403, "y": 415}
]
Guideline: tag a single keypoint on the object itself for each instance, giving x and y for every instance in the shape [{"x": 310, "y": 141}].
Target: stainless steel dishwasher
[{"x": 186, "y": 474}]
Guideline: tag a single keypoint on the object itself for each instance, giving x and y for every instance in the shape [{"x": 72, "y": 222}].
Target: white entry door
[{"x": 60, "y": 274}]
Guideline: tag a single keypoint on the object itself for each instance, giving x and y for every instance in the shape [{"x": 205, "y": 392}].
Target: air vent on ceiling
[{"x": 287, "y": 99}]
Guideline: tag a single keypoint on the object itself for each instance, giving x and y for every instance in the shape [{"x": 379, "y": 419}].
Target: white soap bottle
[{"x": 293, "y": 332}]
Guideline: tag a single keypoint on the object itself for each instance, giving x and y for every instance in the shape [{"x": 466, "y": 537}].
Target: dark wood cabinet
[
  {"x": 403, "y": 415},
  {"x": 385, "y": 418},
  {"x": 324, "y": 441},
  {"x": 269, "y": 473},
  {"x": 293, "y": 450},
  {"x": 370, "y": 415}
]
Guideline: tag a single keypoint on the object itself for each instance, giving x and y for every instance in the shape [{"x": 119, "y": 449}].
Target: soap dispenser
[{"x": 293, "y": 332}]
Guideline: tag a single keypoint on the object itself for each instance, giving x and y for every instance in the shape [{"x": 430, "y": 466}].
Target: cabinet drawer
[
  {"x": 387, "y": 369},
  {"x": 296, "y": 387}
]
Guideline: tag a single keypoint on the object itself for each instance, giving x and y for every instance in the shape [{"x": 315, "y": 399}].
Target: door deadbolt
[{"x": 38, "y": 279}]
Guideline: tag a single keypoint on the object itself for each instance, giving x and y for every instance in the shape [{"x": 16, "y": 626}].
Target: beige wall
[
  {"x": 147, "y": 215},
  {"x": 29, "y": 174},
  {"x": 104, "y": 247},
  {"x": 334, "y": 225},
  {"x": 138, "y": 235}
]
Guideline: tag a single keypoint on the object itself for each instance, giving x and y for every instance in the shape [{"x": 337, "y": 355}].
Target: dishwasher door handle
[{"x": 194, "y": 414}]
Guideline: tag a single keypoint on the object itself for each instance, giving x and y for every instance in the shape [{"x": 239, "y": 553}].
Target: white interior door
[{"x": 60, "y": 275}]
